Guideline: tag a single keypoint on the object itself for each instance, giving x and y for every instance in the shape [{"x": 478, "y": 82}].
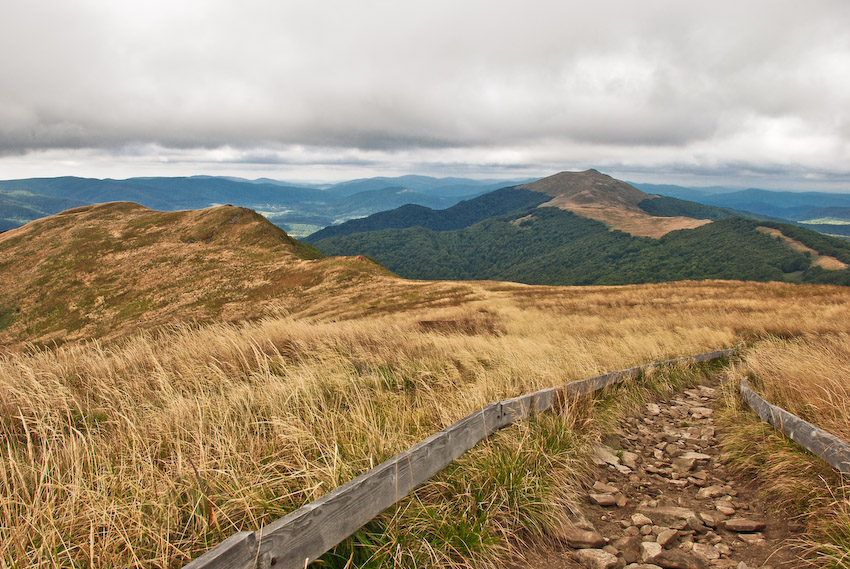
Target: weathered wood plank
[
  {"x": 593, "y": 384},
  {"x": 834, "y": 451},
  {"x": 516, "y": 409},
  {"x": 307, "y": 533},
  {"x": 239, "y": 551},
  {"x": 545, "y": 399}
]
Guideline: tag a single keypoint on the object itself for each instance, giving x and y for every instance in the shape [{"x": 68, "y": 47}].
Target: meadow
[{"x": 148, "y": 449}]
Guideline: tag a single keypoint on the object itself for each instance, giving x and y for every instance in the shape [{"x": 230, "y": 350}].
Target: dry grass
[
  {"x": 633, "y": 221},
  {"x": 145, "y": 452},
  {"x": 810, "y": 377},
  {"x": 823, "y": 261}
]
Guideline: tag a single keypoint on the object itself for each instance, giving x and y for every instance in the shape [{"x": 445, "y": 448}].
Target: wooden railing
[
  {"x": 827, "y": 446},
  {"x": 300, "y": 537}
]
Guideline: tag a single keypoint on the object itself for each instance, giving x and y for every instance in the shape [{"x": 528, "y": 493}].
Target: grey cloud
[{"x": 605, "y": 81}]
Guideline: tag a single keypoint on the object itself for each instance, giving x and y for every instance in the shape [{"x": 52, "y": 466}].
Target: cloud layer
[{"x": 728, "y": 88}]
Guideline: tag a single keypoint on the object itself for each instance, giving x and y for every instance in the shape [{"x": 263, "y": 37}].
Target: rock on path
[{"x": 662, "y": 499}]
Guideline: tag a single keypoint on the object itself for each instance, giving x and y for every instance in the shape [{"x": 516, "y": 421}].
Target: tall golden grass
[
  {"x": 148, "y": 451},
  {"x": 809, "y": 376}
]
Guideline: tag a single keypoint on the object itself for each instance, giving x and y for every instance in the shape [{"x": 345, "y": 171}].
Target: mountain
[
  {"x": 598, "y": 196},
  {"x": 588, "y": 228},
  {"x": 97, "y": 271},
  {"x": 821, "y": 211},
  {"x": 684, "y": 193},
  {"x": 18, "y": 207},
  {"x": 458, "y": 216},
  {"x": 298, "y": 210},
  {"x": 796, "y": 206},
  {"x": 589, "y": 194},
  {"x": 448, "y": 187}
]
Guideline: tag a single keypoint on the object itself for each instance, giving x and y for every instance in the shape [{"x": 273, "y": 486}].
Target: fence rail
[
  {"x": 826, "y": 446},
  {"x": 300, "y": 537}
]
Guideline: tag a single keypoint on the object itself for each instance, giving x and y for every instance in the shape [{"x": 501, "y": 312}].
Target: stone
[
  {"x": 664, "y": 514},
  {"x": 696, "y": 455},
  {"x": 683, "y": 464},
  {"x": 700, "y": 411},
  {"x": 595, "y": 559},
  {"x": 710, "y": 492},
  {"x": 648, "y": 550},
  {"x": 751, "y": 538},
  {"x": 653, "y": 409},
  {"x": 578, "y": 538},
  {"x": 642, "y": 566},
  {"x": 629, "y": 548},
  {"x": 706, "y": 551},
  {"x": 666, "y": 537},
  {"x": 605, "y": 455},
  {"x": 639, "y": 520},
  {"x": 711, "y": 519},
  {"x": 743, "y": 525},
  {"x": 678, "y": 559},
  {"x": 696, "y": 525},
  {"x": 629, "y": 459},
  {"x": 604, "y": 488},
  {"x": 603, "y": 499}
]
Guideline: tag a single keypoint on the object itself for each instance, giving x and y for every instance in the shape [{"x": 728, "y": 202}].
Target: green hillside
[
  {"x": 18, "y": 207},
  {"x": 463, "y": 214},
  {"x": 556, "y": 247},
  {"x": 664, "y": 206}
]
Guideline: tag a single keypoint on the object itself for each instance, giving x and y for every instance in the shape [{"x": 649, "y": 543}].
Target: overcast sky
[{"x": 730, "y": 92}]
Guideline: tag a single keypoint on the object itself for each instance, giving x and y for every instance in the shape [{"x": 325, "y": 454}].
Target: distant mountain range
[
  {"x": 587, "y": 228},
  {"x": 821, "y": 211},
  {"x": 298, "y": 210},
  {"x": 302, "y": 209}
]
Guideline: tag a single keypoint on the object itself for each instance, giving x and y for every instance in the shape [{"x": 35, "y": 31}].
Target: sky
[{"x": 753, "y": 93}]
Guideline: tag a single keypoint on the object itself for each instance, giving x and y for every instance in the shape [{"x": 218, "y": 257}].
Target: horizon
[{"x": 326, "y": 183}]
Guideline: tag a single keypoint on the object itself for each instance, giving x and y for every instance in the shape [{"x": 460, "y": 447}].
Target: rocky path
[{"x": 662, "y": 499}]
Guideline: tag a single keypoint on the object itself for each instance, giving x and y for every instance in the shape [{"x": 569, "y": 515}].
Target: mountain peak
[
  {"x": 616, "y": 203},
  {"x": 589, "y": 186}
]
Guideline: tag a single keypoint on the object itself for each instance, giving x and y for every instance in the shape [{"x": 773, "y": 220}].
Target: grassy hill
[{"x": 101, "y": 271}]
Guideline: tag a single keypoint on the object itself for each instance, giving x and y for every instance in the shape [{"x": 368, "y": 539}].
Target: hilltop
[
  {"x": 100, "y": 271},
  {"x": 588, "y": 228},
  {"x": 598, "y": 196}
]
